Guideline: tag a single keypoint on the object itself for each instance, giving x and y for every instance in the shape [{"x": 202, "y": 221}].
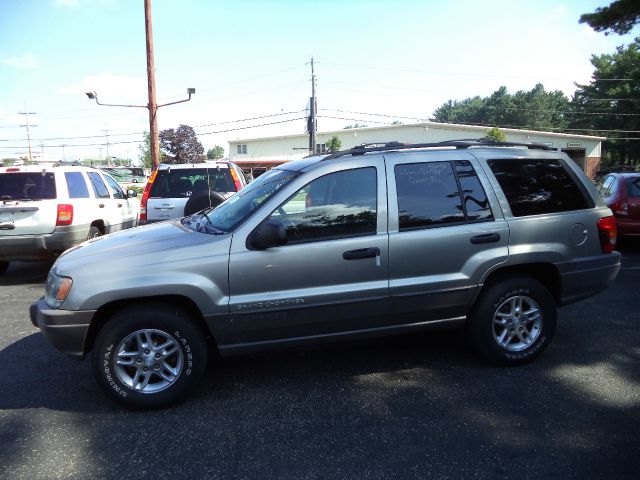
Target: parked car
[
  {"x": 126, "y": 174},
  {"x": 174, "y": 191},
  {"x": 46, "y": 209},
  {"x": 370, "y": 241},
  {"x": 621, "y": 192}
]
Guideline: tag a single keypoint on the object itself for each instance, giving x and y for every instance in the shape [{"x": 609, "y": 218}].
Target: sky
[{"x": 249, "y": 61}]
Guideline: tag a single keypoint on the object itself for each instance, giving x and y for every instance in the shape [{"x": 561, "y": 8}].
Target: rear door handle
[
  {"x": 101, "y": 205},
  {"x": 486, "y": 238},
  {"x": 361, "y": 253}
]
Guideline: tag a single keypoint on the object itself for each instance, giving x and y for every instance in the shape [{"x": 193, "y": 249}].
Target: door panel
[
  {"x": 308, "y": 287},
  {"x": 443, "y": 235}
]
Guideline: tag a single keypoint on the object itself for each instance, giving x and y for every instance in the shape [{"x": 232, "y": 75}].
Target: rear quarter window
[
  {"x": 633, "y": 187},
  {"x": 538, "y": 186}
]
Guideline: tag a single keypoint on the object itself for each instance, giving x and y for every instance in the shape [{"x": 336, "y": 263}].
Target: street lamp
[
  {"x": 94, "y": 96},
  {"x": 152, "y": 116}
]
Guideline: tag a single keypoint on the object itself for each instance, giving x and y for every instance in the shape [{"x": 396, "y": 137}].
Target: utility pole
[
  {"x": 151, "y": 87},
  {"x": 152, "y": 106},
  {"x": 26, "y": 113},
  {"x": 311, "y": 123},
  {"x": 106, "y": 136}
]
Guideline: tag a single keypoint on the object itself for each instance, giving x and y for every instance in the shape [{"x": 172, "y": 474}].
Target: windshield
[{"x": 228, "y": 215}]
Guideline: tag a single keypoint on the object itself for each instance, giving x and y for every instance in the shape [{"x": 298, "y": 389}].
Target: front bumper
[
  {"x": 65, "y": 329},
  {"x": 586, "y": 276}
]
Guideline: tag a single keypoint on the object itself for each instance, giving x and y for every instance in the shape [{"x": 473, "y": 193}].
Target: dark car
[{"x": 621, "y": 192}]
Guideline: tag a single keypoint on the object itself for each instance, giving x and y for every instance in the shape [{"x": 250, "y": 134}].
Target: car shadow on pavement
[
  {"x": 41, "y": 377},
  {"x": 21, "y": 273}
]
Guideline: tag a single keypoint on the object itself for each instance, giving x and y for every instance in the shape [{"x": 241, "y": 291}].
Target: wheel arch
[
  {"x": 545, "y": 273},
  {"x": 105, "y": 312},
  {"x": 100, "y": 224}
]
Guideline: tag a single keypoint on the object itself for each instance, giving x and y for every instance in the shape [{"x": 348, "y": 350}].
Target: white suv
[
  {"x": 46, "y": 209},
  {"x": 174, "y": 191}
]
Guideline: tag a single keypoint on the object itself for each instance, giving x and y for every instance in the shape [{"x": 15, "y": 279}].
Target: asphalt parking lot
[{"x": 418, "y": 406}]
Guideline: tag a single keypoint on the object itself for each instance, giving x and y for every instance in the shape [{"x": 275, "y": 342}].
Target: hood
[{"x": 136, "y": 245}]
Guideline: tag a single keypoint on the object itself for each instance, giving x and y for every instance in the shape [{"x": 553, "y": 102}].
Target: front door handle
[
  {"x": 486, "y": 238},
  {"x": 361, "y": 253},
  {"x": 101, "y": 205}
]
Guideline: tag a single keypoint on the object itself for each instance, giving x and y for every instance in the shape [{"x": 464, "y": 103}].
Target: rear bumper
[
  {"x": 65, "y": 329},
  {"x": 586, "y": 276},
  {"x": 43, "y": 246}
]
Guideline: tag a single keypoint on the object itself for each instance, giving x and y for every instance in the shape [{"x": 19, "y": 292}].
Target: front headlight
[{"x": 57, "y": 289}]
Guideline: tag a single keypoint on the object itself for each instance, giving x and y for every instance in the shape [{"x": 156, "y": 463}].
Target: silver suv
[{"x": 374, "y": 240}]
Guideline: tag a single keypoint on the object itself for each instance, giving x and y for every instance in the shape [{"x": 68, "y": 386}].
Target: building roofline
[{"x": 424, "y": 124}]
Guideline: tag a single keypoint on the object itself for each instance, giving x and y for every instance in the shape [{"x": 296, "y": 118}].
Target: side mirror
[
  {"x": 131, "y": 193},
  {"x": 268, "y": 234}
]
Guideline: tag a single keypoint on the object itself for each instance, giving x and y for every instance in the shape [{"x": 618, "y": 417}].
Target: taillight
[
  {"x": 621, "y": 208},
  {"x": 65, "y": 215},
  {"x": 145, "y": 196},
  {"x": 236, "y": 180},
  {"x": 608, "y": 232},
  {"x": 12, "y": 170}
]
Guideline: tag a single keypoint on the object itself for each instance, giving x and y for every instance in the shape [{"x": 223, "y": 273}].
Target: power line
[
  {"x": 252, "y": 126},
  {"x": 432, "y": 72}
]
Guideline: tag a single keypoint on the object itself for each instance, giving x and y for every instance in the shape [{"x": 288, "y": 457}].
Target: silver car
[{"x": 370, "y": 241}]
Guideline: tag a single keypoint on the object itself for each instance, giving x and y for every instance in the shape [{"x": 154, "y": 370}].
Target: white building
[{"x": 260, "y": 154}]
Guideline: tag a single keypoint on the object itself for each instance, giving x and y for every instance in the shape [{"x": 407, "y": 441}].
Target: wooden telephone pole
[{"x": 152, "y": 106}]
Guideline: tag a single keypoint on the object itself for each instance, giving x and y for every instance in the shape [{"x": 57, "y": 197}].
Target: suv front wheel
[
  {"x": 513, "y": 321},
  {"x": 149, "y": 356}
]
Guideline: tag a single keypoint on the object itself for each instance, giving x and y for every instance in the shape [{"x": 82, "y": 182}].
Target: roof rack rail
[{"x": 458, "y": 144}]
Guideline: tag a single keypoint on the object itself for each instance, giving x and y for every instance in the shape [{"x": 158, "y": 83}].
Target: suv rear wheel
[
  {"x": 513, "y": 321},
  {"x": 149, "y": 356}
]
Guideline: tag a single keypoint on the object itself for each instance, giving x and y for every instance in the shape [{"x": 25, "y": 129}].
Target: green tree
[
  {"x": 215, "y": 153},
  {"x": 609, "y": 104},
  {"x": 181, "y": 145},
  {"x": 334, "y": 144},
  {"x": 355, "y": 125},
  {"x": 496, "y": 135},
  {"x": 619, "y": 17},
  {"x": 536, "y": 109},
  {"x": 145, "y": 151}
]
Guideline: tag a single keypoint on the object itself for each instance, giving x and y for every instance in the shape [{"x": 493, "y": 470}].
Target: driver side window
[{"x": 337, "y": 205}]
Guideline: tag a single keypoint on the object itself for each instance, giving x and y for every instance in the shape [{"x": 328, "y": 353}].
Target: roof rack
[{"x": 457, "y": 144}]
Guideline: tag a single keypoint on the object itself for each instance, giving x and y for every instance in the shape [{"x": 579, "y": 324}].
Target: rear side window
[
  {"x": 181, "y": 183},
  {"x": 434, "y": 194},
  {"x": 536, "y": 186},
  {"x": 27, "y": 186},
  {"x": 99, "y": 188},
  {"x": 76, "y": 185}
]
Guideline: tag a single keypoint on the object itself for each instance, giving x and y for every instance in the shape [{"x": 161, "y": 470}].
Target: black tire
[
  {"x": 93, "y": 232},
  {"x": 201, "y": 201},
  {"x": 4, "y": 266},
  {"x": 140, "y": 330},
  {"x": 513, "y": 321}
]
